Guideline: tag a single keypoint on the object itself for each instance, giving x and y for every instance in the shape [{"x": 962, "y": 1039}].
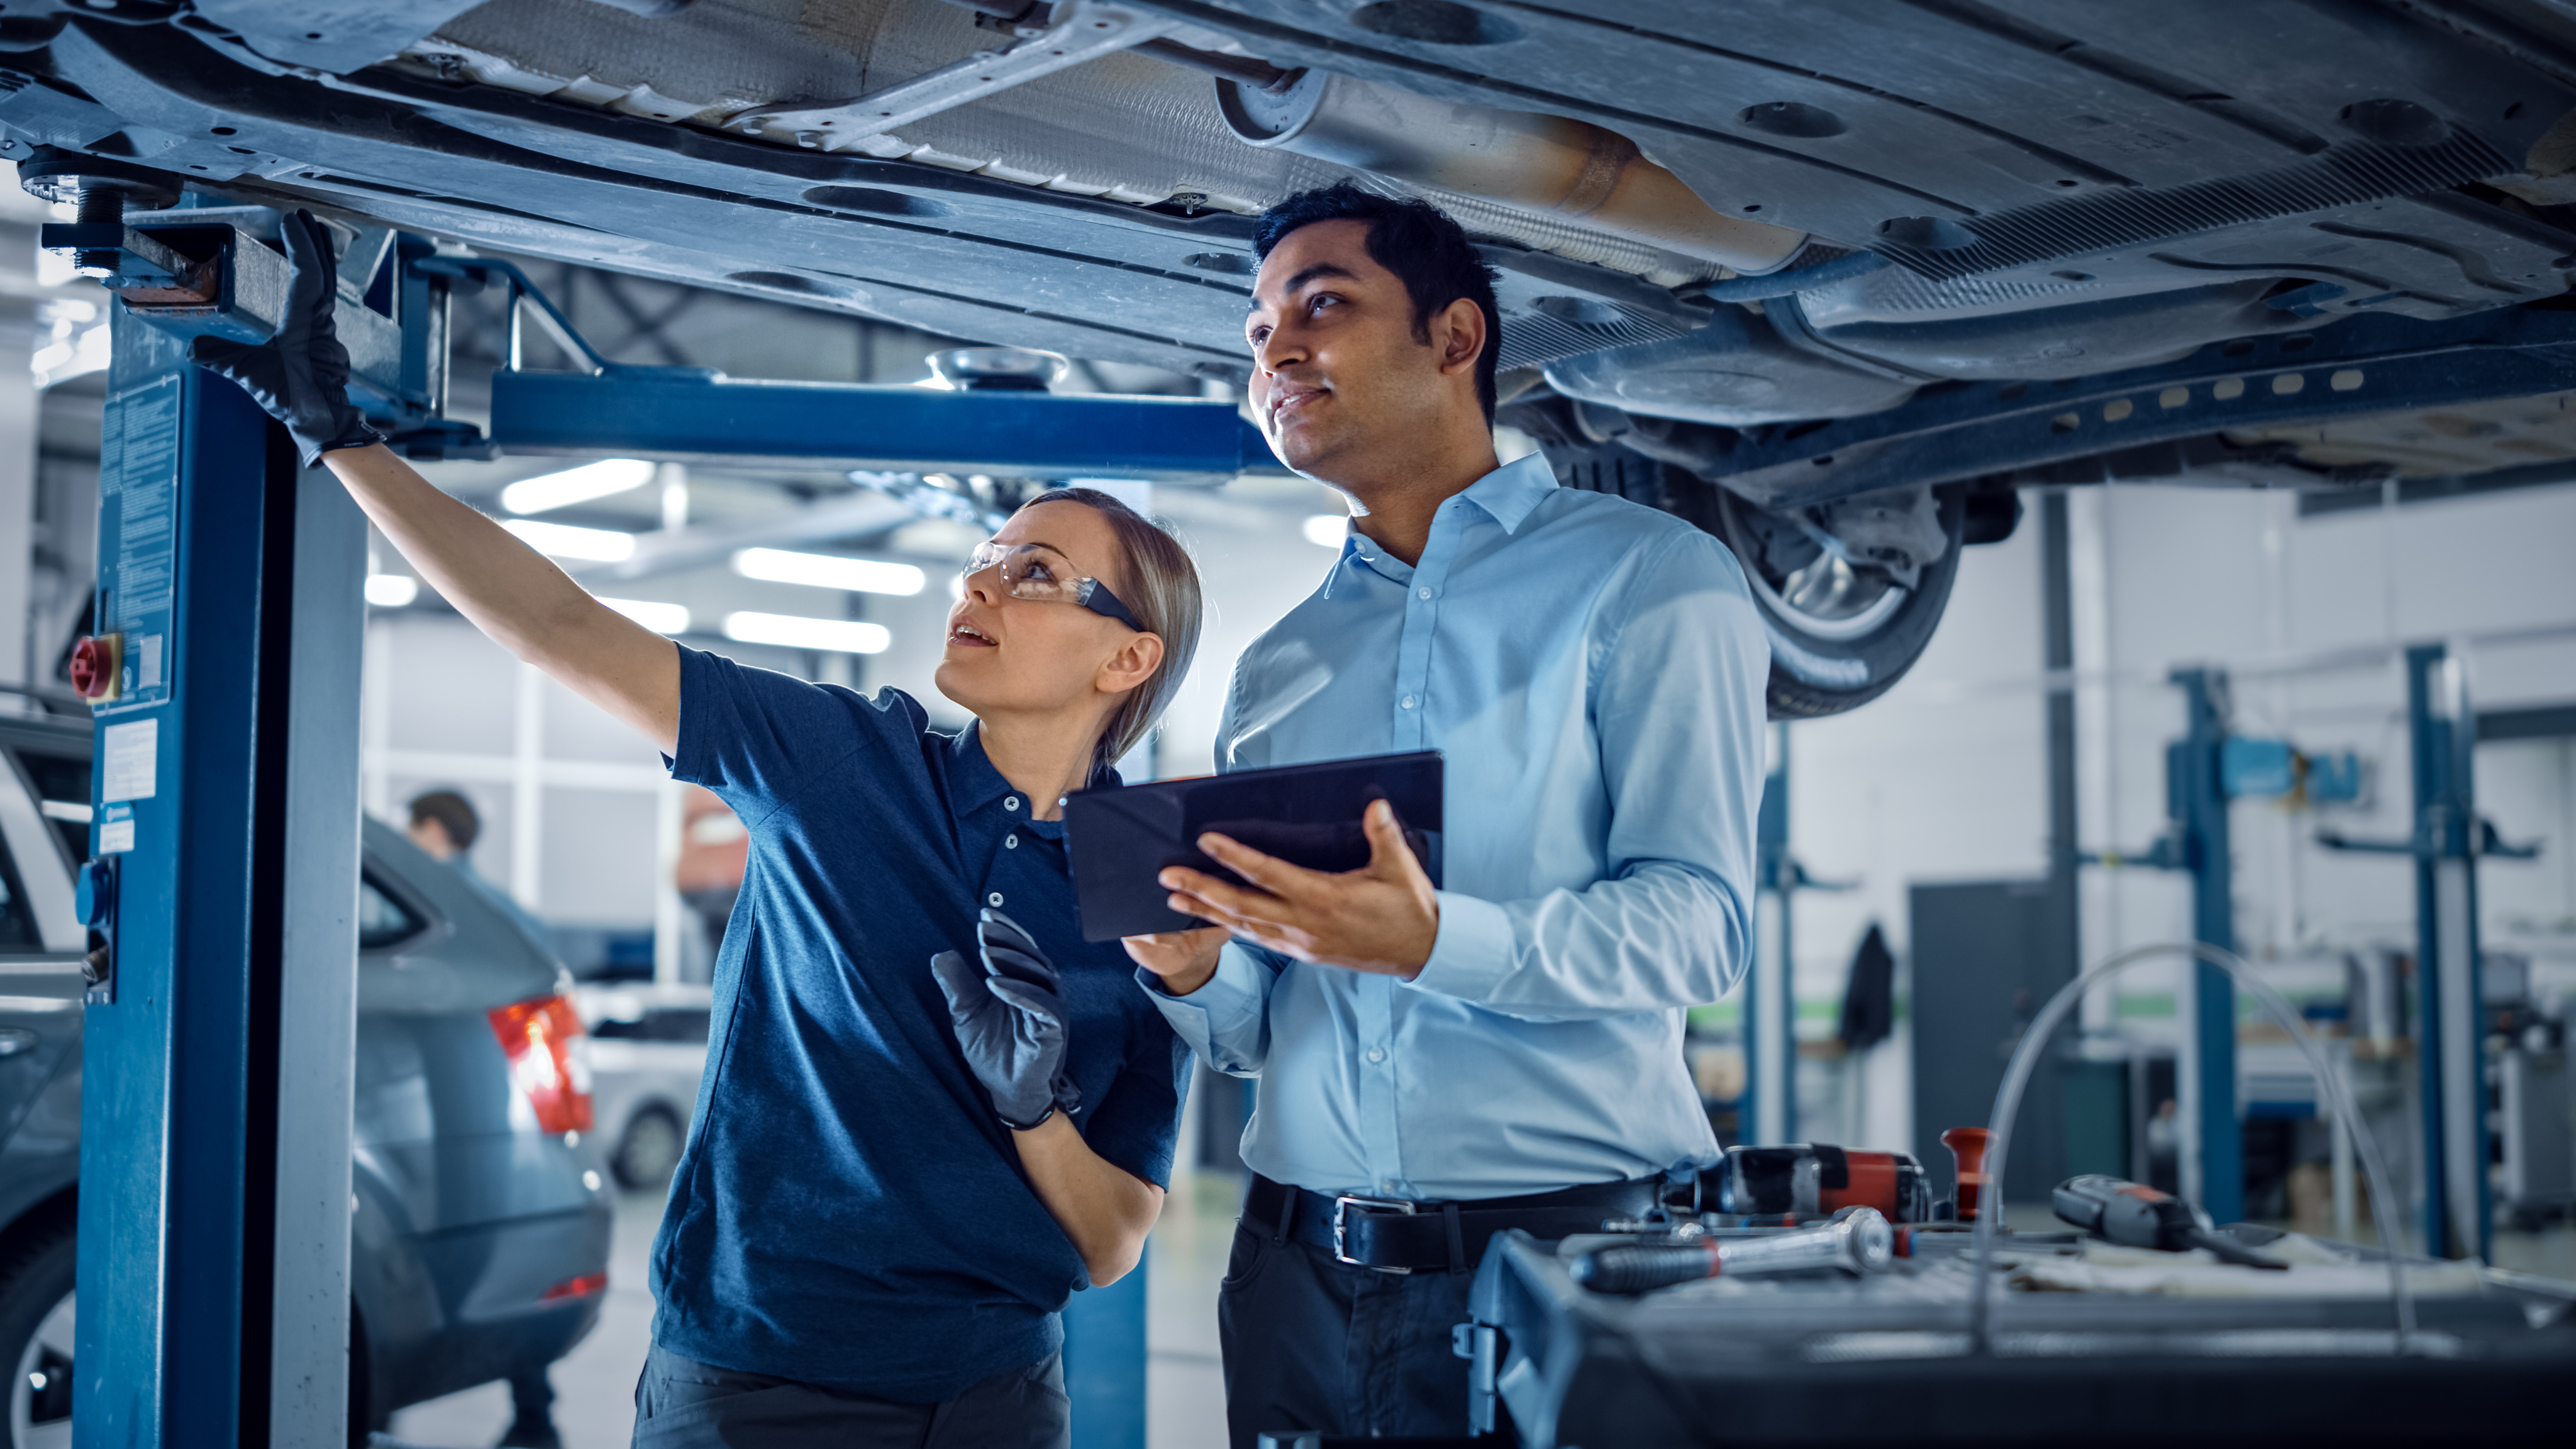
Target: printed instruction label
[
  {"x": 138, "y": 535},
  {"x": 131, "y": 770},
  {"x": 116, "y": 836}
]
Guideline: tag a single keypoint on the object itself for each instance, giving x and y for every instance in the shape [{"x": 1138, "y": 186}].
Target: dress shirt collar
[{"x": 1508, "y": 495}]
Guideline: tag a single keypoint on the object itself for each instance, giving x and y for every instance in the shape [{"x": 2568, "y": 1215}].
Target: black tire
[
  {"x": 1812, "y": 675},
  {"x": 36, "y": 1279},
  {"x": 648, "y": 1150},
  {"x": 1815, "y": 674}
]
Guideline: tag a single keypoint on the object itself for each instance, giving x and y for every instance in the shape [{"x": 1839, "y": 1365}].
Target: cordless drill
[{"x": 2137, "y": 1216}]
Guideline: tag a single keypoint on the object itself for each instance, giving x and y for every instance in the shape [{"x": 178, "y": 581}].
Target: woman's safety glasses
[{"x": 1035, "y": 571}]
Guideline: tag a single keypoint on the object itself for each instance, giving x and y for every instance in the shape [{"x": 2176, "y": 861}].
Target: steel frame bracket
[{"x": 2367, "y": 364}]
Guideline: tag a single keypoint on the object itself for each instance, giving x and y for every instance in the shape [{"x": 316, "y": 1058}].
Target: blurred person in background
[{"x": 444, "y": 825}]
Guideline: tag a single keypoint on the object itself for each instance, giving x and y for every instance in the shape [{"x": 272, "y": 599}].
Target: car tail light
[
  {"x": 581, "y": 1287},
  {"x": 549, "y": 1060}
]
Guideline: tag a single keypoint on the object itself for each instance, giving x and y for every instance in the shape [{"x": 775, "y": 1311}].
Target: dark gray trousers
[
  {"x": 1311, "y": 1343},
  {"x": 683, "y": 1404}
]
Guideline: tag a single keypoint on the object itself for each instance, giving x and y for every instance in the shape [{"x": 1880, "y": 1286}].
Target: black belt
[{"x": 1395, "y": 1236}]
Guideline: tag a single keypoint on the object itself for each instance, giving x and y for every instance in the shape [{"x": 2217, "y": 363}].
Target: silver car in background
[{"x": 648, "y": 1047}]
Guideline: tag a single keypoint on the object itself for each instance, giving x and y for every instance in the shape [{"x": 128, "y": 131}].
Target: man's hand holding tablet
[{"x": 1381, "y": 918}]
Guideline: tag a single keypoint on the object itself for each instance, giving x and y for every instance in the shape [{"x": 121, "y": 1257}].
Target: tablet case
[{"x": 1119, "y": 839}]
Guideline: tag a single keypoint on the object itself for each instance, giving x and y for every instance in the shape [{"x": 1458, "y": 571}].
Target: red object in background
[
  {"x": 94, "y": 666},
  {"x": 539, "y": 1039},
  {"x": 581, "y": 1287},
  {"x": 1968, "y": 1145}
]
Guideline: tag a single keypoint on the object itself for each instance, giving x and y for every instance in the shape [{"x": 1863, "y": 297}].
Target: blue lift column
[
  {"x": 2196, "y": 801},
  {"x": 2458, "y": 1215},
  {"x": 1770, "y": 987},
  {"x": 221, "y": 902}
]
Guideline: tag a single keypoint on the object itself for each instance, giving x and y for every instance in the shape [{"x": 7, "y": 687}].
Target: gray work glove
[
  {"x": 300, "y": 376},
  {"x": 1010, "y": 1017}
]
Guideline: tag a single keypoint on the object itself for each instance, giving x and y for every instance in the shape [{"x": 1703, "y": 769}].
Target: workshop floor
[{"x": 595, "y": 1383}]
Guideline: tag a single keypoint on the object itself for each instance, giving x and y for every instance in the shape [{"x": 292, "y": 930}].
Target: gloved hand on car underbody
[
  {"x": 1009, "y": 1014},
  {"x": 300, "y": 376}
]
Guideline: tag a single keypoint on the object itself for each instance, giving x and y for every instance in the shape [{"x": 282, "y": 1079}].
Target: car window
[
  {"x": 680, "y": 1024},
  {"x": 62, "y": 785},
  {"x": 382, "y": 920},
  {"x": 684, "y": 1024},
  {"x": 17, "y": 919}
]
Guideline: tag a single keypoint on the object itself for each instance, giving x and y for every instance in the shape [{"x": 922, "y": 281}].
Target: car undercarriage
[{"x": 1831, "y": 279}]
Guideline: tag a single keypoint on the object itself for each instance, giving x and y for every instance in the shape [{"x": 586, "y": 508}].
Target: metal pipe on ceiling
[{"x": 1549, "y": 164}]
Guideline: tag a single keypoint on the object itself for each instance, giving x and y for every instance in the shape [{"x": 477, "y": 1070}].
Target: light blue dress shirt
[{"x": 1592, "y": 671}]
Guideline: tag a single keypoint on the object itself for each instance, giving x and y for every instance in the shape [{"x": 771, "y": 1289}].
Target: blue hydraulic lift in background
[
  {"x": 222, "y": 897},
  {"x": 2209, "y": 767}
]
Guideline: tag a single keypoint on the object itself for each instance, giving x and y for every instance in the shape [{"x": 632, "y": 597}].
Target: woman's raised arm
[{"x": 517, "y": 596}]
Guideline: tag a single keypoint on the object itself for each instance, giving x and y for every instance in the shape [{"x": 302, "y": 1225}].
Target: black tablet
[{"x": 1120, "y": 839}]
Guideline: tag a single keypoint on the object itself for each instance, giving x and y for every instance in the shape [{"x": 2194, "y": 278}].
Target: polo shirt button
[
  {"x": 1423, "y": 592},
  {"x": 994, "y": 900},
  {"x": 1377, "y": 1054},
  {"x": 1409, "y": 701},
  {"x": 1011, "y": 841},
  {"x": 1010, "y": 802}
]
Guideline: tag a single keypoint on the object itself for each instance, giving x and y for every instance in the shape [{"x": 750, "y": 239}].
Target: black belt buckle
[{"x": 1341, "y": 1242}]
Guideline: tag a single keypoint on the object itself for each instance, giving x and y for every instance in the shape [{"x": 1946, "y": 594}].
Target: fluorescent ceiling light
[
  {"x": 828, "y": 571},
  {"x": 846, "y": 636},
  {"x": 576, "y": 485},
  {"x": 660, "y": 618},
  {"x": 1328, "y": 530},
  {"x": 598, "y": 545},
  {"x": 391, "y": 591}
]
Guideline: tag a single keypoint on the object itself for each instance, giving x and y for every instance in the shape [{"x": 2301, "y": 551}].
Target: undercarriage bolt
[
  {"x": 809, "y": 139},
  {"x": 98, "y": 204}
]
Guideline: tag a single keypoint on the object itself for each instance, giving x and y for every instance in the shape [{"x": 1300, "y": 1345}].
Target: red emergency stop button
[{"x": 95, "y": 662}]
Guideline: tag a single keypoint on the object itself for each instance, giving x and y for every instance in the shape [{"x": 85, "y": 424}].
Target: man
[
  {"x": 444, "y": 825},
  {"x": 1437, "y": 1065}
]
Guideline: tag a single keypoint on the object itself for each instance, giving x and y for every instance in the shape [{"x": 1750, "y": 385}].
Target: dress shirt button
[
  {"x": 1011, "y": 841},
  {"x": 1409, "y": 701},
  {"x": 1377, "y": 1054},
  {"x": 1010, "y": 802},
  {"x": 994, "y": 900},
  {"x": 1422, "y": 593}
]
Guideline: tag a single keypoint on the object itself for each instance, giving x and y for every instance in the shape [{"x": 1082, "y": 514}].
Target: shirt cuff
[
  {"x": 1473, "y": 952},
  {"x": 1228, "y": 1003}
]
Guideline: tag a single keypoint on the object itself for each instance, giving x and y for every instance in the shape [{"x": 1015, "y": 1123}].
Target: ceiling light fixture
[
  {"x": 828, "y": 571},
  {"x": 845, "y": 636},
  {"x": 576, "y": 485}
]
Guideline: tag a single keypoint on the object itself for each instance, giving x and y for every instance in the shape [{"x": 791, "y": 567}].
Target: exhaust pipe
[{"x": 1546, "y": 164}]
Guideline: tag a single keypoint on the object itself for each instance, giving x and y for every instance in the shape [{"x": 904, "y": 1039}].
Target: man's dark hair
[
  {"x": 1413, "y": 239},
  {"x": 454, "y": 814}
]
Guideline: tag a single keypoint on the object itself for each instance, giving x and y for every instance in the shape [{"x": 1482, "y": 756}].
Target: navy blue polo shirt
[{"x": 848, "y": 1211}]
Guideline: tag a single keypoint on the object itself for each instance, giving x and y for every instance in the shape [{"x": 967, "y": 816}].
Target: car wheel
[
  {"x": 1843, "y": 628},
  {"x": 648, "y": 1150},
  {"x": 36, "y": 1317}
]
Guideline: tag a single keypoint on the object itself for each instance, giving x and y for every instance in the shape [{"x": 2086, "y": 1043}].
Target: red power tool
[{"x": 1810, "y": 1179}]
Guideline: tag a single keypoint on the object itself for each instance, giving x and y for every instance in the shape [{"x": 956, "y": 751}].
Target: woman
[{"x": 857, "y": 1249}]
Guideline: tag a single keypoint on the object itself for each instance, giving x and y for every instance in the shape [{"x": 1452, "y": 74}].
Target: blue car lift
[
  {"x": 221, "y": 902},
  {"x": 2209, "y": 767}
]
